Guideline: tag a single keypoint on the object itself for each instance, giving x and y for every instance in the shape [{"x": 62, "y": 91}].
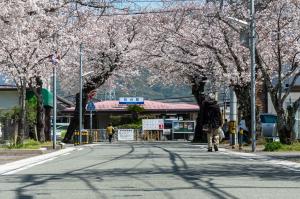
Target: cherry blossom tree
[
  {"x": 278, "y": 58},
  {"x": 26, "y": 44},
  {"x": 108, "y": 49},
  {"x": 173, "y": 49},
  {"x": 277, "y": 53},
  {"x": 33, "y": 31}
]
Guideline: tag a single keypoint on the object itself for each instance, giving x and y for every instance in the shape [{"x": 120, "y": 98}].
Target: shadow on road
[{"x": 201, "y": 176}]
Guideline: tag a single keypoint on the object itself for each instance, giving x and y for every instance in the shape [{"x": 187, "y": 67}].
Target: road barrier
[
  {"x": 84, "y": 137},
  {"x": 99, "y": 135}
]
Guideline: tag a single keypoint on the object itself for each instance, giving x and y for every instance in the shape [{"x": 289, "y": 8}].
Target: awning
[{"x": 47, "y": 97}]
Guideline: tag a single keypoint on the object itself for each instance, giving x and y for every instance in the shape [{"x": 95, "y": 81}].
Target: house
[{"x": 9, "y": 98}]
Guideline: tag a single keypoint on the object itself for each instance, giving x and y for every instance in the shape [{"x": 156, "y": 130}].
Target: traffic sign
[{"x": 90, "y": 106}]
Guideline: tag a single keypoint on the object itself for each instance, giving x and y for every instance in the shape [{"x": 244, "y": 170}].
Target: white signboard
[
  {"x": 167, "y": 132},
  {"x": 153, "y": 124},
  {"x": 125, "y": 134}
]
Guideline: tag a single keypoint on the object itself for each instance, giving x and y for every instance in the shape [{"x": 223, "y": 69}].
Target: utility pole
[
  {"x": 253, "y": 93},
  {"x": 233, "y": 118},
  {"x": 80, "y": 98},
  {"x": 55, "y": 60}
]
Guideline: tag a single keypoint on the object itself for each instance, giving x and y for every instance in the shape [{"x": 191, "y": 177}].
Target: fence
[
  {"x": 99, "y": 135},
  {"x": 8, "y": 131}
]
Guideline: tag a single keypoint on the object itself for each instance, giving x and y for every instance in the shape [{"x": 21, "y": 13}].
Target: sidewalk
[
  {"x": 293, "y": 156},
  {"x": 15, "y": 166},
  {"x": 12, "y": 155}
]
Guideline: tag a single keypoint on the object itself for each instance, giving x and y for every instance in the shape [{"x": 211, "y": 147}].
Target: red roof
[{"x": 114, "y": 105}]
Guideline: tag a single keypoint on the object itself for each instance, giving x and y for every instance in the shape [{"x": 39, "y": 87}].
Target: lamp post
[
  {"x": 253, "y": 98},
  {"x": 55, "y": 60},
  {"x": 54, "y": 107},
  {"x": 80, "y": 98}
]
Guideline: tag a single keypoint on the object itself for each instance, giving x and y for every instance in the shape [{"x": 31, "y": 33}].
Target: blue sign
[
  {"x": 131, "y": 100},
  {"x": 90, "y": 106}
]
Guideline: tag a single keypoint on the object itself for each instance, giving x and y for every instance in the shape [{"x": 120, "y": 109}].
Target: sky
[{"x": 139, "y": 5}]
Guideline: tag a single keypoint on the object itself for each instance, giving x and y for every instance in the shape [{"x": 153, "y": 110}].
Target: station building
[{"x": 106, "y": 110}]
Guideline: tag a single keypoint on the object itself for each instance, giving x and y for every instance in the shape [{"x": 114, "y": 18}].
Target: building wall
[
  {"x": 8, "y": 99},
  {"x": 293, "y": 96},
  {"x": 102, "y": 120}
]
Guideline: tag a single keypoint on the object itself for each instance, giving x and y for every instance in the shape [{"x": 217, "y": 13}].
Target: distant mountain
[{"x": 139, "y": 88}]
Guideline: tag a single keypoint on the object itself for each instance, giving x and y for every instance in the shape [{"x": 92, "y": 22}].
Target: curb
[{"x": 12, "y": 166}]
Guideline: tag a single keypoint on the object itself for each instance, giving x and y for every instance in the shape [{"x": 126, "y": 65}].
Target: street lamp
[
  {"x": 55, "y": 61},
  {"x": 80, "y": 98},
  {"x": 252, "y": 39},
  {"x": 253, "y": 97}
]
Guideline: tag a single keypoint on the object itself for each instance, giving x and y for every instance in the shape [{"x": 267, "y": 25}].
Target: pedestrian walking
[
  {"x": 213, "y": 121},
  {"x": 110, "y": 131}
]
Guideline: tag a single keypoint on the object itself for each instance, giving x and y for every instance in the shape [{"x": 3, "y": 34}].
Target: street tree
[
  {"x": 108, "y": 49},
  {"x": 278, "y": 58},
  {"x": 172, "y": 51},
  {"x": 277, "y": 54},
  {"x": 30, "y": 34}
]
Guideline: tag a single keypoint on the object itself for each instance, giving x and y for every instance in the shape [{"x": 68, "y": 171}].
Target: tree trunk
[
  {"x": 47, "y": 129},
  {"x": 244, "y": 101},
  {"x": 40, "y": 116},
  {"x": 197, "y": 91},
  {"x": 282, "y": 128},
  {"x": 285, "y": 124},
  {"x": 40, "y": 119},
  {"x": 21, "y": 129},
  {"x": 89, "y": 86},
  {"x": 74, "y": 124}
]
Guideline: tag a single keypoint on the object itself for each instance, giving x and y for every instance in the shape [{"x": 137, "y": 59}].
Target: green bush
[
  {"x": 63, "y": 133},
  {"x": 27, "y": 144},
  {"x": 273, "y": 146},
  {"x": 130, "y": 126}
]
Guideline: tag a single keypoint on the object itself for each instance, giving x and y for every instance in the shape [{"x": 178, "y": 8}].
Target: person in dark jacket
[{"x": 213, "y": 120}]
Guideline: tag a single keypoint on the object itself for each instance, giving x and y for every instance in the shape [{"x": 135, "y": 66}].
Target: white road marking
[
  {"x": 65, "y": 154},
  {"x": 28, "y": 166}
]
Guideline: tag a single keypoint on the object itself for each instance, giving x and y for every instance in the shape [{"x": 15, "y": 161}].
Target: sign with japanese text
[
  {"x": 131, "y": 100},
  {"x": 125, "y": 134},
  {"x": 153, "y": 124}
]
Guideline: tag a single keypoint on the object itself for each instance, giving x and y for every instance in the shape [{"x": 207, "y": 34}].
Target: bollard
[
  {"x": 241, "y": 135},
  {"x": 232, "y": 131},
  {"x": 76, "y": 138},
  {"x": 85, "y": 137}
]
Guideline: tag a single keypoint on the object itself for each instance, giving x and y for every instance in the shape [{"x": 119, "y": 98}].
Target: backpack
[{"x": 213, "y": 117}]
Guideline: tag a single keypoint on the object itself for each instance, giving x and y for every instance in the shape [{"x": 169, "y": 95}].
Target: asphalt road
[{"x": 151, "y": 170}]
